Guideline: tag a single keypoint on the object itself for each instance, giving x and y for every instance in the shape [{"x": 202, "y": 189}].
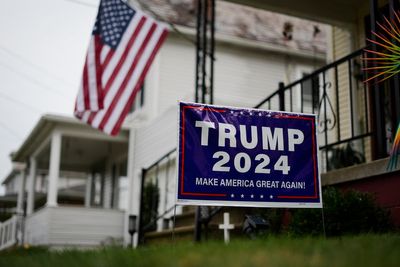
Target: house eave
[
  {"x": 42, "y": 130},
  {"x": 256, "y": 45},
  {"x": 336, "y": 12},
  {"x": 10, "y": 175}
]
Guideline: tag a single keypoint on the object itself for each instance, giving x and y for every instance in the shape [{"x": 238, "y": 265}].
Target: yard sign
[{"x": 247, "y": 157}]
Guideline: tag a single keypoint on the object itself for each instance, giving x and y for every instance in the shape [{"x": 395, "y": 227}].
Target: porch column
[
  {"x": 88, "y": 192},
  {"x": 134, "y": 186},
  {"x": 54, "y": 169},
  {"x": 31, "y": 186},
  {"x": 108, "y": 185},
  {"x": 21, "y": 191},
  {"x": 395, "y": 91},
  {"x": 115, "y": 197},
  {"x": 378, "y": 111}
]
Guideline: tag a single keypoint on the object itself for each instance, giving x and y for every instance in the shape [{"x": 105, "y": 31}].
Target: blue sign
[{"x": 247, "y": 157}]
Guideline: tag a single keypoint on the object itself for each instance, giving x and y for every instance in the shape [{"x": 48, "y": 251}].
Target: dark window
[
  {"x": 139, "y": 100},
  {"x": 311, "y": 91}
]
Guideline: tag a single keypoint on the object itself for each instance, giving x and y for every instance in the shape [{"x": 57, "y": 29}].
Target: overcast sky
[{"x": 42, "y": 49}]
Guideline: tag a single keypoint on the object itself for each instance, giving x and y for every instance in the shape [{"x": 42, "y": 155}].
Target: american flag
[{"x": 124, "y": 43}]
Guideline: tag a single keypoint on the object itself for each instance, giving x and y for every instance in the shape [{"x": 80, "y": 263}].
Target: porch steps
[
  {"x": 185, "y": 219},
  {"x": 183, "y": 233},
  {"x": 189, "y": 209},
  {"x": 184, "y": 226},
  {"x": 184, "y": 229}
]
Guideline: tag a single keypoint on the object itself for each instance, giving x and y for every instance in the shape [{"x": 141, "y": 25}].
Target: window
[
  {"x": 306, "y": 95},
  {"x": 97, "y": 189},
  {"x": 310, "y": 93},
  {"x": 138, "y": 102}
]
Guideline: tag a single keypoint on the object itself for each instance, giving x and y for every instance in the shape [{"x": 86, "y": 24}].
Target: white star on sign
[
  {"x": 242, "y": 196},
  {"x": 252, "y": 196},
  {"x": 232, "y": 195},
  {"x": 262, "y": 196},
  {"x": 271, "y": 197}
]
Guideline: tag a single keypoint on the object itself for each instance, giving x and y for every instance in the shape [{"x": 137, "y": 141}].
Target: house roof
[
  {"x": 10, "y": 175},
  {"x": 42, "y": 130},
  {"x": 247, "y": 23},
  {"x": 74, "y": 192},
  {"x": 17, "y": 167},
  {"x": 335, "y": 12}
]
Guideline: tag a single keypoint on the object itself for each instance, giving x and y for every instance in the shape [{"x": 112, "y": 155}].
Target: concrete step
[
  {"x": 184, "y": 227},
  {"x": 185, "y": 219},
  {"x": 189, "y": 209},
  {"x": 184, "y": 233}
]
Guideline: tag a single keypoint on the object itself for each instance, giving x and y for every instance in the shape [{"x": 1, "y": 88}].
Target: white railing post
[
  {"x": 8, "y": 231},
  {"x": 1, "y": 234}
]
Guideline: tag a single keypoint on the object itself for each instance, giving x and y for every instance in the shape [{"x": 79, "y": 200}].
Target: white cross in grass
[{"x": 226, "y": 227}]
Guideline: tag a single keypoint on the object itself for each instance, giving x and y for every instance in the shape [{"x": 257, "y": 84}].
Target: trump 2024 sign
[{"x": 247, "y": 157}]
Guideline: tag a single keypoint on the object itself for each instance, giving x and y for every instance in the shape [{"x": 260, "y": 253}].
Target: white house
[
  {"x": 82, "y": 185},
  {"x": 71, "y": 181}
]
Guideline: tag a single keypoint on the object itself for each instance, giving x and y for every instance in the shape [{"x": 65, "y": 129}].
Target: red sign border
[{"x": 182, "y": 156}]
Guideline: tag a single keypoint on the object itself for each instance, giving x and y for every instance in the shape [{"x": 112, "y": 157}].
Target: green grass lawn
[{"x": 365, "y": 250}]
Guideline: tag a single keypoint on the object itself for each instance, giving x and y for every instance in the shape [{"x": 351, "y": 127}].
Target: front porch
[{"x": 71, "y": 190}]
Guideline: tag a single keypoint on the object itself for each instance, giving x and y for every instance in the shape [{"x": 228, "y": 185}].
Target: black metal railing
[
  {"x": 152, "y": 216},
  {"x": 150, "y": 195},
  {"x": 346, "y": 116}
]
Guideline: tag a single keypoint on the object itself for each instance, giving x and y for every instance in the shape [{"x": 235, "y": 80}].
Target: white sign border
[{"x": 233, "y": 203}]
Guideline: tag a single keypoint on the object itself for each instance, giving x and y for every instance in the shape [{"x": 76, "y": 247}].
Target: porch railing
[
  {"x": 350, "y": 124},
  {"x": 156, "y": 206},
  {"x": 8, "y": 232}
]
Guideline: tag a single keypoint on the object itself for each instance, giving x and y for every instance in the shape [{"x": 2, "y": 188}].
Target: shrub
[
  {"x": 150, "y": 200},
  {"x": 348, "y": 212}
]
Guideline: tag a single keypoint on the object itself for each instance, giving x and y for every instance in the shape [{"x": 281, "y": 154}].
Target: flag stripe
[
  {"x": 91, "y": 69},
  {"x": 105, "y": 52},
  {"x": 80, "y": 104},
  {"x": 99, "y": 91},
  {"x": 85, "y": 116},
  {"x": 107, "y": 60},
  {"x": 85, "y": 87}
]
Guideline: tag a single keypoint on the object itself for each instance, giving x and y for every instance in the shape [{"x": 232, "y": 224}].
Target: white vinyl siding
[
  {"x": 343, "y": 43},
  {"x": 177, "y": 73},
  {"x": 342, "y": 47},
  {"x": 157, "y": 139},
  {"x": 65, "y": 226},
  {"x": 243, "y": 77}
]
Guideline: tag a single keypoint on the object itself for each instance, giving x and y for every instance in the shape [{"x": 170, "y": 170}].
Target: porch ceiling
[
  {"x": 84, "y": 154},
  {"x": 82, "y": 147},
  {"x": 336, "y": 12}
]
